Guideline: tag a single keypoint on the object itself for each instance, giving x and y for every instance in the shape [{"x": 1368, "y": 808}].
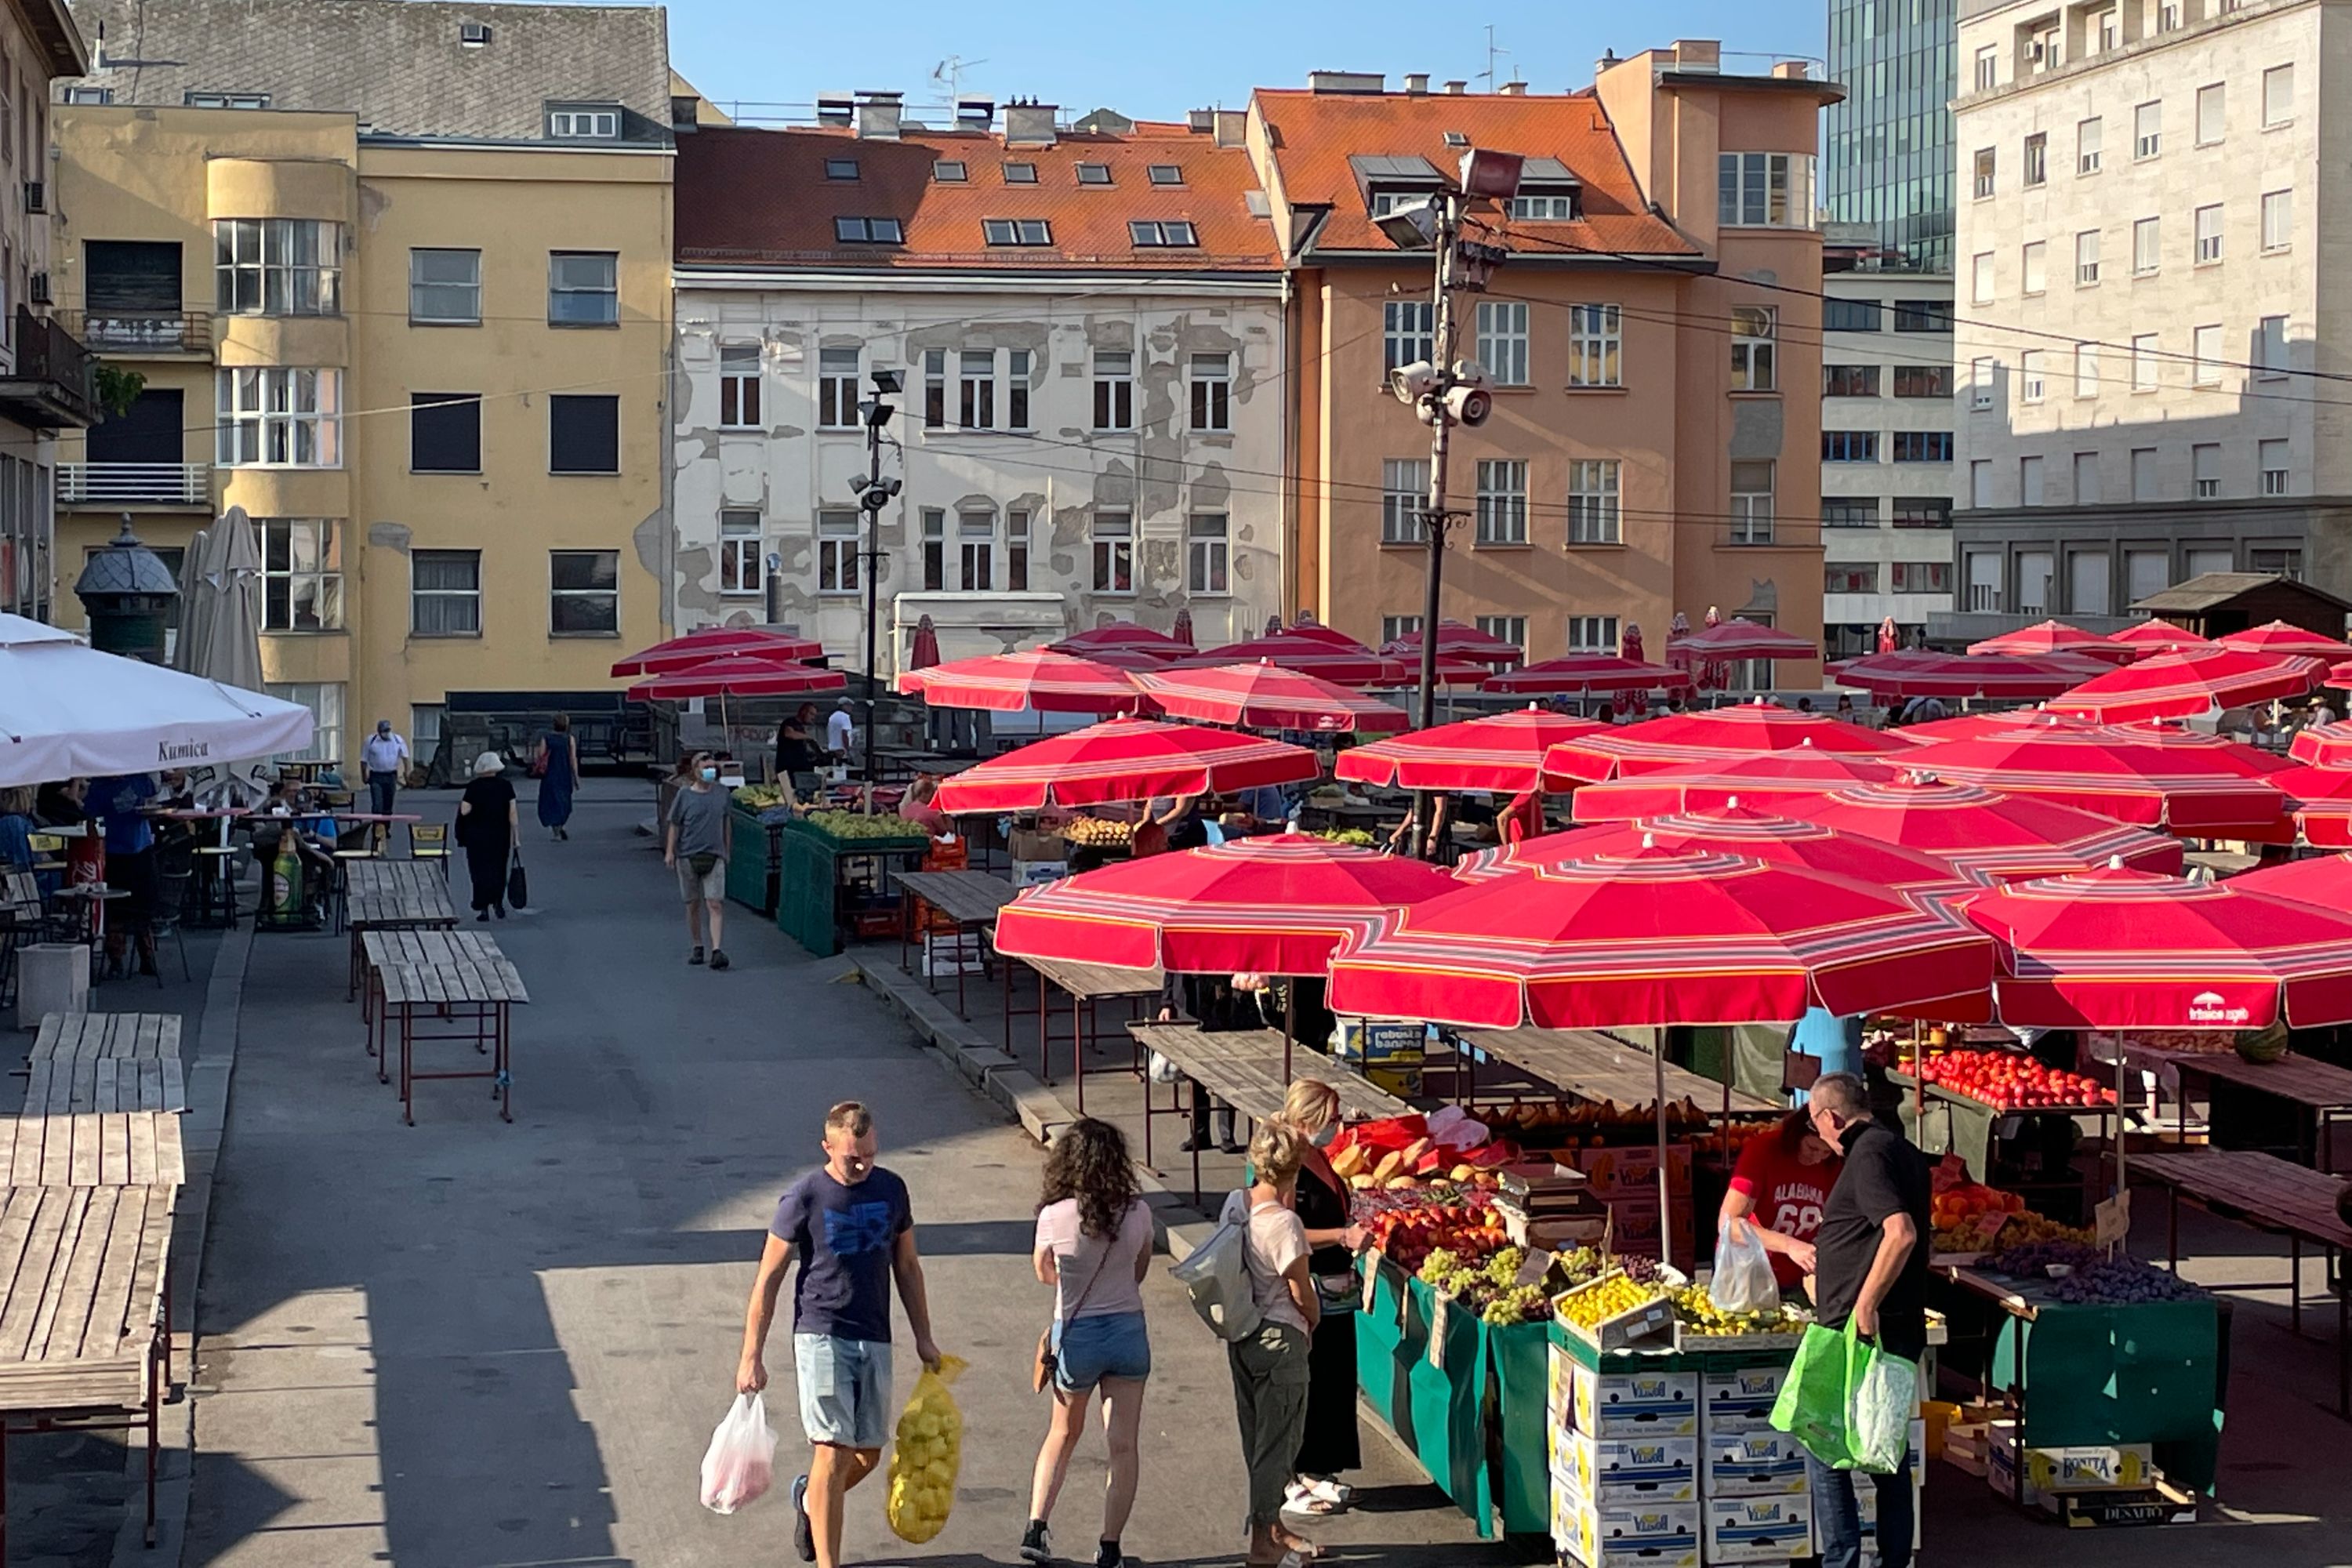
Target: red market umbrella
[
  {"x": 2183, "y": 685},
  {"x": 2323, "y": 745},
  {"x": 1719, "y": 734},
  {"x": 2277, "y": 636},
  {"x": 1456, "y": 640},
  {"x": 1125, "y": 635},
  {"x": 2322, "y": 879},
  {"x": 2252, "y": 761},
  {"x": 1580, "y": 674},
  {"x": 1988, "y": 726},
  {"x": 1738, "y": 638},
  {"x": 2054, "y": 637},
  {"x": 2155, "y": 636},
  {"x": 1920, "y": 672},
  {"x": 1124, "y": 760},
  {"x": 1263, "y": 696},
  {"x": 2118, "y": 949},
  {"x": 2096, "y": 770},
  {"x": 2323, "y": 799},
  {"x": 739, "y": 676},
  {"x": 1503, "y": 753},
  {"x": 717, "y": 642},
  {"x": 2340, "y": 675},
  {"x": 926, "y": 651},
  {"x": 1038, "y": 681},
  {"x": 1777, "y": 840},
  {"x": 1659, "y": 935},
  {"x": 1987, "y": 835},
  {"x": 1695, "y": 786},
  {"x": 1313, "y": 630},
  {"x": 1308, "y": 651}
]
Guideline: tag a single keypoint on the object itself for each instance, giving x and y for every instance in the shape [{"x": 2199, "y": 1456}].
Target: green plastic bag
[
  {"x": 1847, "y": 1401},
  {"x": 1811, "y": 1406}
]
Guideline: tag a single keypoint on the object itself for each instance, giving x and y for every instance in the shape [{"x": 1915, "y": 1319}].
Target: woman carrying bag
[
  {"x": 1330, "y": 1445},
  {"x": 486, "y": 826},
  {"x": 1270, "y": 1364}
]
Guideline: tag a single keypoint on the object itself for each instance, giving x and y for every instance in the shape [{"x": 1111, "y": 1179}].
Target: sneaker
[
  {"x": 718, "y": 959},
  {"x": 1109, "y": 1555},
  {"x": 695, "y": 957},
  {"x": 803, "y": 1534},
  {"x": 1035, "y": 1546}
]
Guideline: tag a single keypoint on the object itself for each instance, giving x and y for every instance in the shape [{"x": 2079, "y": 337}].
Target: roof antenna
[{"x": 1492, "y": 50}]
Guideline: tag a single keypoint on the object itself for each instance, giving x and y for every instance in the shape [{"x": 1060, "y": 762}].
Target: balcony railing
[
  {"x": 135, "y": 333},
  {"x": 116, "y": 485},
  {"x": 53, "y": 382}
]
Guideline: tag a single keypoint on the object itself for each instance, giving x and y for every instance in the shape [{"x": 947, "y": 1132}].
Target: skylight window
[
  {"x": 841, "y": 168},
  {"x": 1094, "y": 173},
  {"x": 584, "y": 122},
  {"x": 1167, "y": 175},
  {"x": 1020, "y": 173},
  {"x": 1172, "y": 232},
  {"x": 868, "y": 231},
  {"x": 949, "y": 172},
  {"x": 1017, "y": 231}
]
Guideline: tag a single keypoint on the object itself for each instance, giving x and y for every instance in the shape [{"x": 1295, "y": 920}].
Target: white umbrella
[
  {"x": 68, "y": 711},
  {"x": 220, "y": 639}
]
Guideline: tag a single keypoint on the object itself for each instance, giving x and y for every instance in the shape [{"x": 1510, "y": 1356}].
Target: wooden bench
[
  {"x": 120, "y": 1149},
  {"x": 106, "y": 1062},
  {"x": 1591, "y": 1064},
  {"x": 967, "y": 900},
  {"x": 1087, "y": 986},
  {"x": 392, "y": 895},
  {"x": 1244, "y": 1067},
  {"x": 473, "y": 996}
]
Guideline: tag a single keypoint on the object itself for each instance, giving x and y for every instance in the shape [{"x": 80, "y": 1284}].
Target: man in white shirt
[
  {"x": 840, "y": 730},
  {"x": 384, "y": 755}
]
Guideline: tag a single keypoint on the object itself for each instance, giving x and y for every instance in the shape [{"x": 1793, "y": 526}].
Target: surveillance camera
[
  {"x": 857, "y": 482},
  {"x": 1470, "y": 373},
  {"x": 1412, "y": 382},
  {"x": 892, "y": 485}
]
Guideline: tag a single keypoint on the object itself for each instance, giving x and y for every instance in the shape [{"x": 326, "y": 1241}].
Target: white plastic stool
[{"x": 51, "y": 977}]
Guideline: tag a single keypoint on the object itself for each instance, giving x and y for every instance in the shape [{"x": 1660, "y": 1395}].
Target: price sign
[
  {"x": 1437, "y": 1333},
  {"x": 2111, "y": 1221},
  {"x": 1993, "y": 1232},
  {"x": 1533, "y": 1266},
  {"x": 1371, "y": 1280}
]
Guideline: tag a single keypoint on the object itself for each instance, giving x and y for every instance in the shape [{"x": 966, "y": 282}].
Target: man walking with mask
[
  {"x": 385, "y": 756},
  {"x": 696, "y": 842}
]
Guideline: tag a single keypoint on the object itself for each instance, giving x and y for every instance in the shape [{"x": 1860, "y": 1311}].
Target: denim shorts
[
  {"x": 845, "y": 1387},
  {"x": 1108, "y": 1344}
]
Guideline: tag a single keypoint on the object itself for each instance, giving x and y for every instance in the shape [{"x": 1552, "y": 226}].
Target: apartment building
[
  {"x": 2146, "y": 239},
  {"x": 397, "y": 275},
  {"x": 1655, "y": 339},
  {"x": 1085, "y": 327},
  {"x": 1886, "y": 148}
]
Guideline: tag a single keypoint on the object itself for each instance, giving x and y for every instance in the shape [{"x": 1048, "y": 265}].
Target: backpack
[{"x": 1216, "y": 1276}]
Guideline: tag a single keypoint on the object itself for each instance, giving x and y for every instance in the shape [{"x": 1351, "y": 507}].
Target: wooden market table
[
  {"x": 392, "y": 895},
  {"x": 122, "y": 1148},
  {"x": 106, "y": 1062},
  {"x": 1244, "y": 1067},
  {"x": 422, "y": 980},
  {"x": 2270, "y": 1194},
  {"x": 2317, "y": 1088},
  {"x": 969, "y": 901},
  {"x": 1087, "y": 986},
  {"x": 1594, "y": 1065}
]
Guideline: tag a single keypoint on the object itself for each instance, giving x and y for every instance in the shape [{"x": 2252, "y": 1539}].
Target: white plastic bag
[
  {"x": 1879, "y": 1406},
  {"x": 1743, "y": 1278},
  {"x": 740, "y": 1462},
  {"x": 1451, "y": 1127},
  {"x": 1163, "y": 1070}
]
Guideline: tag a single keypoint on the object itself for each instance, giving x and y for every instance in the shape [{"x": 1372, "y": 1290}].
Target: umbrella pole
[
  {"x": 1290, "y": 1026},
  {"x": 2123, "y": 1136},
  {"x": 1665, "y": 1186}
]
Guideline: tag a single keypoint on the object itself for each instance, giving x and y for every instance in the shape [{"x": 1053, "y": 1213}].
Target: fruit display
[
  {"x": 1590, "y": 1305},
  {"x": 760, "y": 796},
  {"x": 1356, "y": 836},
  {"x": 1976, "y": 1232},
  {"x": 2034, "y": 1259},
  {"x": 858, "y": 825},
  {"x": 924, "y": 1460},
  {"x": 2121, "y": 1281},
  {"x": 1490, "y": 1289},
  {"x": 1099, "y": 833},
  {"x": 1469, "y": 1230},
  {"x": 1399, "y": 1153},
  {"x": 2008, "y": 1081},
  {"x": 1696, "y": 1311}
]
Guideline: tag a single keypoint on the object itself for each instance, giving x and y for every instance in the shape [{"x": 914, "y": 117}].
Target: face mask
[
  {"x": 1324, "y": 1134},
  {"x": 709, "y": 774}
]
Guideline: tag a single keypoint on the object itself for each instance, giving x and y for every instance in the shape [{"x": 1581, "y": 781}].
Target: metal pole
[
  {"x": 873, "y": 573},
  {"x": 1433, "y": 518}
]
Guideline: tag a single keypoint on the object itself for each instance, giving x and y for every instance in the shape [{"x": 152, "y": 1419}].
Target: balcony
[
  {"x": 115, "y": 487},
  {"x": 139, "y": 334},
  {"x": 53, "y": 382}
]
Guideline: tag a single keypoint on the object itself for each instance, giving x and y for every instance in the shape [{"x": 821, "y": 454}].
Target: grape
[
  {"x": 1438, "y": 1265},
  {"x": 1503, "y": 1269},
  {"x": 1640, "y": 1270}
]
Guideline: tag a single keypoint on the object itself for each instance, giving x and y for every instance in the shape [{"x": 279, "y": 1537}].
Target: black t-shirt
[
  {"x": 797, "y": 753},
  {"x": 1882, "y": 1175}
]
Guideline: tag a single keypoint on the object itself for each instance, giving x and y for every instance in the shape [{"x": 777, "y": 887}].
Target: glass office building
[{"x": 1888, "y": 159}]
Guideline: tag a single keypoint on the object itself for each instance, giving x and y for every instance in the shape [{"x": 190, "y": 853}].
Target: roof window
[
  {"x": 1017, "y": 231},
  {"x": 193, "y": 100},
  {"x": 584, "y": 121},
  {"x": 1167, "y": 175},
  {"x": 474, "y": 34},
  {"x": 1094, "y": 173},
  {"x": 949, "y": 172},
  {"x": 841, "y": 168},
  {"x": 1020, "y": 173},
  {"x": 868, "y": 231},
  {"x": 1163, "y": 234}
]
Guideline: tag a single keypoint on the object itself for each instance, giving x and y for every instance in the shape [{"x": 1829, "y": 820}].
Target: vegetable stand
[{"x": 834, "y": 888}]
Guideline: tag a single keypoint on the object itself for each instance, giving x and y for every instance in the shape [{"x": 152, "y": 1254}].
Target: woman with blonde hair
[
  {"x": 1269, "y": 1366},
  {"x": 1329, "y": 1443}
]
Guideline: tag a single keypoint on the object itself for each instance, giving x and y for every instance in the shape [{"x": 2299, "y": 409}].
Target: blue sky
[{"x": 1157, "y": 61}]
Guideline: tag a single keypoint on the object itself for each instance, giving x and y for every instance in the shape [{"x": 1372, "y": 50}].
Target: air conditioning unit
[
  {"x": 37, "y": 196},
  {"x": 37, "y": 289}
]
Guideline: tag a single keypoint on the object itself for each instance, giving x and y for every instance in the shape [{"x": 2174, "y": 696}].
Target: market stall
[{"x": 837, "y": 876}]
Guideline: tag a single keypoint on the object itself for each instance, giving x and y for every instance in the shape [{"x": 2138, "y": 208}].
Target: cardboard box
[
  {"x": 2084, "y": 1468},
  {"x": 1634, "y": 1168},
  {"x": 1633, "y": 1222},
  {"x": 1758, "y": 1529},
  {"x": 1741, "y": 1399},
  {"x": 951, "y": 955},
  {"x": 1037, "y": 873},
  {"x": 1626, "y": 1472},
  {"x": 1664, "y": 1536},
  {"x": 1754, "y": 1464},
  {"x": 1028, "y": 844},
  {"x": 2112, "y": 1507},
  {"x": 1630, "y": 1404},
  {"x": 1374, "y": 1042}
]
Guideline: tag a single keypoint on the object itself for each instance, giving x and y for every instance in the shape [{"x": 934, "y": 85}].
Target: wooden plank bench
[
  {"x": 1087, "y": 986},
  {"x": 417, "y": 947},
  {"x": 105, "y": 1062},
  {"x": 392, "y": 895},
  {"x": 1244, "y": 1067},
  {"x": 967, "y": 900},
  {"x": 473, "y": 996},
  {"x": 122, "y": 1148}
]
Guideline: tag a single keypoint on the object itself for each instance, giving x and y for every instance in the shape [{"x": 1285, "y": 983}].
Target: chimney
[
  {"x": 1456, "y": 89},
  {"x": 1606, "y": 63},
  {"x": 1201, "y": 121},
  {"x": 1030, "y": 124},
  {"x": 835, "y": 107},
  {"x": 1364, "y": 82},
  {"x": 1790, "y": 71},
  {"x": 878, "y": 116},
  {"x": 1513, "y": 90},
  {"x": 1232, "y": 127},
  {"x": 976, "y": 113},
  {"x": 1697, "y": 54},
  {"x": 1416, "y": 83}
]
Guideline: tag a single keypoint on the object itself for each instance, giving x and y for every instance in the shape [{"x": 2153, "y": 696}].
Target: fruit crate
[
  {"x": 754, "y": 861},
  {"x": 1627, "y": 1329},
  {"x": 833, "y": 891}
]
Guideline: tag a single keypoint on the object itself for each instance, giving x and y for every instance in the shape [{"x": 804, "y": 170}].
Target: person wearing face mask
[
  {"x": 1329, "y": 1444},
  {"x": 696, "y": 842}
]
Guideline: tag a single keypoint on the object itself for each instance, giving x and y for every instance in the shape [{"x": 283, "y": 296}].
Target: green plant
[{"x": 119, "y": 388}]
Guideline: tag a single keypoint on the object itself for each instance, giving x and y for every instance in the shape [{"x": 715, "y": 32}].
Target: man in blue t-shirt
[{"x": 854, "y": 1230}]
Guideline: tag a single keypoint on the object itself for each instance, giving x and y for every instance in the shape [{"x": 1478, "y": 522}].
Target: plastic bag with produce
[
  {"x": 928, "y": 1453},
  {"x": 740, "y": 1462},
  {"x": 1743, "y": 1278}
]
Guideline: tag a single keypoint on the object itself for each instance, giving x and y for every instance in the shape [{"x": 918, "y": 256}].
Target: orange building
[{"x": 1654, "y": 343}]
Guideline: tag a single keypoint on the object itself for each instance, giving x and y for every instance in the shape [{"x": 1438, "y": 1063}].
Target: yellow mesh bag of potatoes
[{"x": 926, "y": 1455}]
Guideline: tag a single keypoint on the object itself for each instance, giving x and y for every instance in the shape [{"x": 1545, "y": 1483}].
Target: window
[
  {"x": 1207, "y": 558},
  {"x": 836, "y": 551},
  {"x": 741, "y": 573},
  {"x": 1592, "y": 634},
  {"x": 2205, "y": 345},
  {"x": 1923, "y": 446},
  {"x": 2200, "y": 562},
  {"x": 1020, "y": 173},
  {"x": 2145, "y": 571},
  {"x": 1114, "y": 543},
  {"x": 2143, "y": 473},
  {"x": 584, "y": 289},
  {"x": 1502, "y": 346},
  {"x": 1212, "y": 392},
  {"x": 2212, "y": 113},
  {"x": 1765, "y": 188},
  {"x": 2086, "y": 371},
  {"x": 2278, "y": 95},
  {"x": 1987, "y": 68},
  {"x": 325, "y": 701},
  {"x": 1554, "y": 206},
  {"x": 1981, "y": 482},
  {"x": 271, "y": 416},
  {"x": 739, "y": 386},
  {"x": 836, "y": 389},
  {"x": 583, "y": 593},
  {"x": 1850, "y": 577},
  {"x": 592, "y": 124},
  {"x": 1094, "y": 173},
  {"x": 1113, "y": 390},
  {"x": 1923, "y": 315},
  {"x": 2208, "y": 233},
  {"x": 2029, "y": 375},
  {"x": 1850, "y": 315},
  {"x": 935, "y": 389},
  {"x": 1167, "y": 175},
  {"x": 2270, "y": 347},
  {"x": 1922, "y": 381},
  {"x": 2110, "y": 31},
  {"x": 2205, "y": 471},
  {"x": 1383, "y": 203},
  {"x": 1502, "y": 502},
  {"x": 2147, "y": 130},
  {"x": 1016, "y": 389},
  {"x": 444, "y": 287},
  {"x": 1592, "y": 511},
  {"x": 2167, "y": 16},
  {"x": 444, "y": 597},
  {"x": 1016, "y": 231},
  {"x": 1595, "y": 346},
  {"x": 301, "y": 576},
  {"x": 1752, "y": 364},
  {"x": 1984, "y": 381},
  {"x": 1395, "y": 626},
  {"x": 445, "y": 432},
  {"x": 2037, "y": 158},
  {"x": 1980, "y": 278},
  {"x": 2036, "y": 267},
  {"x": 1922, "y": 577},
  {"x": 2270, "y": 455},
  {"x": 278, "y": 267},
  {"x": 1922, "y": 512},
  {"x": 1849, "y": 381},
  {"x": 1404, "y": 489},
  {"x": 841, "y": 168},
  {"x": 2029, "y": 481},
  {"x": 2033, "y": 574},
  {"x": 1751, "y": 503},
  {"x": 976, "y": 389},
  {"x": 1849, "y": 511},
  {"x": 90, "y": 95},
  {"x": 976, "y": 550},
  {"x": 1984, "y": 168},
  {"x": 2283, "y": 562},
  {"x": 934, "y": 524},
  {"x": 2148, "y": 246},
  {"x": 1016, "y": 550},
  {"x": 2087, "y": 574},
  {"x": 1164, "y": 234},
  {"x": 225, "y": 100},
  {"x": 1408, "y": 332},
  {"x": 583, "y": 432},
  {"x": 2086, "y": 479},
  {"x": 1849, "y": 446},
  {"x": 2087, "y": 139},
  {"x": 2278, "y": 220},
  {"x": 2144, "y": 353},
  {"x": 2087, "y": 259},
  {"x": 867, "y": 231},
  {"x": 949, "y": 172}
]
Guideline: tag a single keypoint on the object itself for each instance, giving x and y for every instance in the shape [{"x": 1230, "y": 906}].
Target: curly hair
[{"x": 1090, "y": 1163}]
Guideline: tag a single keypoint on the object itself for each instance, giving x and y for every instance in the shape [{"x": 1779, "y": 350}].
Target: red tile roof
[
  {"x": 1316, "y": 132},
  {"x": 760, "y": 199}
]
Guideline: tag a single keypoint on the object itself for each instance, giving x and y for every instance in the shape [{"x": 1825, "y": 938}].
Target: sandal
[{"x": 1303, "y": 1498}]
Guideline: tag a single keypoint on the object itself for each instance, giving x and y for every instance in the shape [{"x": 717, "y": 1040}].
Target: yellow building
[{"x": 396, "y": 273}]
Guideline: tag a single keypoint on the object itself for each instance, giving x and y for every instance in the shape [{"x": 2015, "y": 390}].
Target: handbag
[
  {"x": 518, "y": 884},
  {"x": 1040, "y": 1371},
  {"x": 702, "y": 860}
]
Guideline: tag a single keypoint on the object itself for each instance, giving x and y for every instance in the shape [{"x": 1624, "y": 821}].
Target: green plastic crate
[{"x": 755, "y": 854}]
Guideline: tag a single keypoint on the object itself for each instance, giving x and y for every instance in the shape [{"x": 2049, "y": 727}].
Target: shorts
[
  {"x": 710, "y": 888},
  {"x": 1108, "y": 1344},
  {"x": 845, "y": 1387}
]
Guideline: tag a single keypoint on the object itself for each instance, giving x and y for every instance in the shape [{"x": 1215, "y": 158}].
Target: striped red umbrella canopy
[
  {"x": 1039, "y": 680},
  {"x": 1984, "y": 833},
  {"x": 2322, "y": 879},
  {"x": 1265, "y": 696},
  {"x": 1988, "y": 726},
  {"x": 739, "y": 676},
  {"x": 2096, "y": 770},
  {"x": 2118, "y": 949},
  {"x": 2054, "y": 637},
  {"x": 1742, "y": 830},
  {"x": 1502, "y": 752},
  {"x": 2323, "y": 745},
  {"x": 2183, "y": 685},
  {"x": 2251, "y": 761},
  {"x": 1125, "y": 635},
  {"x": 2278, "y": 636},
  {"x": 1581, "y": 673},
  {"x": 1921, "y": 672},
  {"x": 1739, "y": 638},
  {"x": 2155, "y": 636},
  {"x": 1717, "y": 734},
  {"x": 717, "y": 642},
  {"x": 1763, "y": 779},
  {"x": 1124, "y": 758},
  {"x": 2323, "y": 803},
  {"x": 2339, "y": 674},
  {"x": 1659, "y": 935},
  {"x": 1277, "y": 904},
  {"x": 1311, "y": 650},
  {"x": 1458, "y": 641}
]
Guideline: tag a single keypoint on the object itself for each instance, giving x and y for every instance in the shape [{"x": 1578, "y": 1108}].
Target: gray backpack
[{"x": 1216, "y": 1276}]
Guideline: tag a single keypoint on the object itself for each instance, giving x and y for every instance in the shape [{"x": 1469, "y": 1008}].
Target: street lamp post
[{"x": 873, "y": 493}]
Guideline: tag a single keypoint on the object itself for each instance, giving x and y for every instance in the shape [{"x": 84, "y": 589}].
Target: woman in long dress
[
  {"x": 1328, "y": 1446},
  {"x": 559, "y": 771},
  {"x": 487, "y": 826}
]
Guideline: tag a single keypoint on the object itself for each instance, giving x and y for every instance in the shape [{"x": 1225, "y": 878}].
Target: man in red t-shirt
[{"x": 1780, "y": 1185}]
